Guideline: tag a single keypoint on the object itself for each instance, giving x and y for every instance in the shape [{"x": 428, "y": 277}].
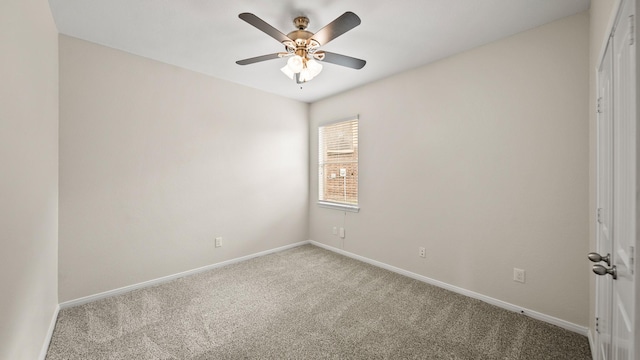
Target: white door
[
  {"x": 604, "y": 188},
  {"x": 624, "y": 183},
  {"x": 617, "y": 198}
]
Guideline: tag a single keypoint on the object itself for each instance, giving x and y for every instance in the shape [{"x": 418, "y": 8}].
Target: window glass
[{"x": 338, "y": 163}]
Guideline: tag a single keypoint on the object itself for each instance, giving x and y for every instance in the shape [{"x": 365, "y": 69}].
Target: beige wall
[
  {"x": 156, "y": 161},
  {"x": 488, "y": 147},
  {"x": 482, "y": 158},
  {"x": 600, "y": 13},
  {"x": 29, "y": 180}
]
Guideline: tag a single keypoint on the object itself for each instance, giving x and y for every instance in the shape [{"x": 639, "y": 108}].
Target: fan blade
[
  {"x": 338, "y": 59},
  {"x": 264, "y": 27},
  {"x": 337, "y": 27},
  {"x": 256, "y": 59}
]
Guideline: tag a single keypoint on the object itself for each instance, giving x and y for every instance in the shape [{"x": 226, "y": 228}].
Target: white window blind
[{"x": 338, "y": 163}]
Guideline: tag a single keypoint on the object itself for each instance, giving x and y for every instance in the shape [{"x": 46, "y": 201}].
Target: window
[{"x": 338, "y": 165}]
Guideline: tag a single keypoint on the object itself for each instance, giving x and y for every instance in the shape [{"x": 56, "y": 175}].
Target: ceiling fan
[{"x": 302, "y": 46}]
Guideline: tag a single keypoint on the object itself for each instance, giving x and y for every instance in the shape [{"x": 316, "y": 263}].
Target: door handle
[
  {"x": 595, "y": 257},
  {"x": 601, "y": 270}
]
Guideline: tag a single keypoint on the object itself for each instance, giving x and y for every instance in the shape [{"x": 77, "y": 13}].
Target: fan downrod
[{"x": 301, "y": 22}]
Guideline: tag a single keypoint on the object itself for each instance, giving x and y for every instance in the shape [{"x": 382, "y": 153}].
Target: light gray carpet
[{"x": 303, "y": 303}]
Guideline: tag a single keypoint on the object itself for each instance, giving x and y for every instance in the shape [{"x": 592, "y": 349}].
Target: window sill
[{"x": 338, "y": 206}]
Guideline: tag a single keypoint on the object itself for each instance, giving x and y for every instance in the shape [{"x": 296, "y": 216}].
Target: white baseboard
[
  {"x": 129, "y": 288},
  {"x": 47, "y": 339},
  {"x": 502, "y": 304}
]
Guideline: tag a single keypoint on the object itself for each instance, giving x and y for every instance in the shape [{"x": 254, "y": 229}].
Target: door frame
[{"x": 603, "y": 203}]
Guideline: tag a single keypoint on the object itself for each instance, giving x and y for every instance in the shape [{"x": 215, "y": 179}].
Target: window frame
[{"x": 335, "y": 204}]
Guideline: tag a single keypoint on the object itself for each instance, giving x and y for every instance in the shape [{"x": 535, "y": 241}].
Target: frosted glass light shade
[
  {"x": 314, "y": 68},
  {"x": 295, "y": 63},
  {"x": 287, "y": 71},
  {"x": 310, "y": 71},
  {"x": 305, "y": 75}
]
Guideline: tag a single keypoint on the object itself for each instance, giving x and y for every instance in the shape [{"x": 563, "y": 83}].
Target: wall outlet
[
  {"x": 342, "y": 233},
  {"x": 422, "y": 252},
  {"x": 219, "y": 242},
  {"x": 518, "y": 275}
]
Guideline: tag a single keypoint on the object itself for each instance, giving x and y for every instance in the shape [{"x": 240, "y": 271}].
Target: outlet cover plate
[{"x": 518, "y": 275}]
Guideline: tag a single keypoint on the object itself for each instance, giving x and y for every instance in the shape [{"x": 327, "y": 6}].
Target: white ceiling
[{"x": 208, "y": 37}]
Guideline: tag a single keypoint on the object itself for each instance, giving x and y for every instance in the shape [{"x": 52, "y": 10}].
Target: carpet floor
[{"x": 303, "y": 303}]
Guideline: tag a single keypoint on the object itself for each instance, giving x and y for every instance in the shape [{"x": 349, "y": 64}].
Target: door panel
[
  {"x": 617, "y": 191},
  {"x": 624, "y": 182}
]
